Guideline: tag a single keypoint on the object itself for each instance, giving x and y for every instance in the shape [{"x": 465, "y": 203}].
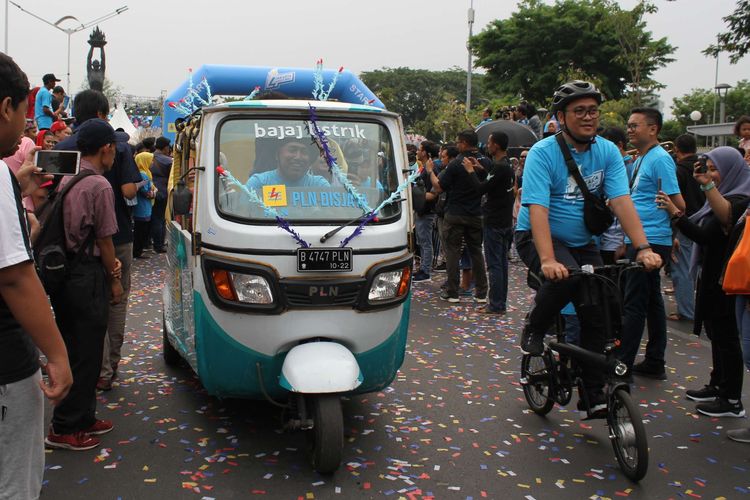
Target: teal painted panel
[{"x": 228, "y": 369}]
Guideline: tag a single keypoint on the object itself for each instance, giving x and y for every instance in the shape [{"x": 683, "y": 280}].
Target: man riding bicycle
[{"x": 551, "y": 235}]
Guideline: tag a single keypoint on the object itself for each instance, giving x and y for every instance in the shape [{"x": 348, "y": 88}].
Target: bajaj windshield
[{"x": 327, "y": 171}]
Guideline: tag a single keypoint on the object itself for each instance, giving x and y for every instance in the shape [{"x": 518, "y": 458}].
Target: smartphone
[
  {"x": 702, "y": 165},
  {"x": 658, "y": 190},
  {"x": 58, "y": 162}
]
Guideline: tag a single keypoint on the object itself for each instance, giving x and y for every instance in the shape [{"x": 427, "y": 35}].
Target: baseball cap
[
  {"x": 49, "y": 77},
  {"x": 94, "y": 133}
]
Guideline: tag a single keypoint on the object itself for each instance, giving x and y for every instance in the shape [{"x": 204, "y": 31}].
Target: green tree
[
  {"x": 534, "y": 50},
  {"x": 638, "y": 52},
  {"x": 447, "y": 119},
  {"x": 736, "y": 40},
  {"x": 671, "y": 129},
  {"x": 615, "y": 113},
  {"x": 416, "y": 94},
  {"x": 737, "y": 104}
]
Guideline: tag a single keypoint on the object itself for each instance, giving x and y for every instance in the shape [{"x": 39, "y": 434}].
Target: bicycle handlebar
[{"x": 620, "y": 265}]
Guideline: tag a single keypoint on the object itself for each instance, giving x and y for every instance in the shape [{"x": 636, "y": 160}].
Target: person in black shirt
[
  {"x": 425, "y": 220},
  {"x": 684, "y": 283},
  {"x": 727, "y": 186},
  {"x": 497, "y": 217},
  {"x": 463, "y": 216},
  {"x": 123, "y": 177}
]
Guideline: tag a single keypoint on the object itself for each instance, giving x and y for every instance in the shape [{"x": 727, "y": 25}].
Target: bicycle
[{"x": 549, "y": 378}]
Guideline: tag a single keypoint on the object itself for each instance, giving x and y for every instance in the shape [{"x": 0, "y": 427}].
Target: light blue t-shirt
[
  {"x": 272, "y": 177},
  {"x": 43, "y": 98},
  {"x": 648, "y": 169},
  {"x": 546, "y": 182}
]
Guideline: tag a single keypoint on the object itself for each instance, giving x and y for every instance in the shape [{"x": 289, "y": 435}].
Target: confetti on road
[{"x": 454, "y": 424}]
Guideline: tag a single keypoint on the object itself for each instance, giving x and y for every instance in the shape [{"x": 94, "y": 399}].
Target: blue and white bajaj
[{"x": 289, "y": 280}]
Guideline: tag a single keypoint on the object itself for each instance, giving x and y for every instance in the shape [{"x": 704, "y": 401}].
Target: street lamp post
[
  {"x": 468, "y": 48},
  {"x": 445, "y": 131},
  {"x": 68, "y": 31},
  {"x": 722, "y": 90}
]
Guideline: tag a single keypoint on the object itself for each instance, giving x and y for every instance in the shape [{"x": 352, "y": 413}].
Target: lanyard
[{"x": 639, "y": 162}]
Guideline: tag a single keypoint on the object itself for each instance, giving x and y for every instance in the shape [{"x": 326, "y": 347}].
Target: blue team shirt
[
  {"x": 272, "y": 177},
  {"x": 655, "y": 165},
  {"x": 43, "y": 98},
  {"x": 546, "y": 182}
]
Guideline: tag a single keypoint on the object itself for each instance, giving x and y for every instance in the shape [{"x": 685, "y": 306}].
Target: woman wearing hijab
[
  {"x": 142, "y": 211},
  {"x": 727, "y": 186}
]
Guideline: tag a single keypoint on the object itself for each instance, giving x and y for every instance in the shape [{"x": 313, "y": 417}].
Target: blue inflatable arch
[{"x": 296, "y": 83}]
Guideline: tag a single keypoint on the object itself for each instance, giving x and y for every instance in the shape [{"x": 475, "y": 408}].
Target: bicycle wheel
[
  {"x": 536, "y": 378},
  {"x": 628, "y": 435}
]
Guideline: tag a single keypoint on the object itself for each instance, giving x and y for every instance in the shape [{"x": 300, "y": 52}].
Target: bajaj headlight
[
  {"x": 390, "y": 285},
  {"x": 240, "y": 287}
]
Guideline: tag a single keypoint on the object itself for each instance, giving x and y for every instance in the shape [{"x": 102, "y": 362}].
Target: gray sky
[{"x": 152, "y": 45}]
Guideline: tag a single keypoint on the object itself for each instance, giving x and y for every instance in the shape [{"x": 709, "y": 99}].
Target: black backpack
[{"x": 50, "y": 252}]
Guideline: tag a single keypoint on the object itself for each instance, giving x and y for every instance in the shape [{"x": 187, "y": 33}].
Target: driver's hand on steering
[
  {"x": 649, "y": 259},
  {"x": 554, "y": 271}
]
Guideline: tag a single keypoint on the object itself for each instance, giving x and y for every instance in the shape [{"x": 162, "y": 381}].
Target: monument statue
[{"x": 95, "y": 69}]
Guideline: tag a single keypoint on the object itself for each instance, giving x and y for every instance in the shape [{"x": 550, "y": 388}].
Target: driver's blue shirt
[
  {"x": 273, "y": 177},
  {"x": 546, "y": 182}
]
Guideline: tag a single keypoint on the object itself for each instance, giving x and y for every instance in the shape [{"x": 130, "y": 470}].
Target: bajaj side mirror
[{"x": 182, "y": 199}]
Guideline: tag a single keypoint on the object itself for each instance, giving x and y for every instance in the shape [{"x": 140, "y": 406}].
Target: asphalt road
[{"x": 454, "y": 424}]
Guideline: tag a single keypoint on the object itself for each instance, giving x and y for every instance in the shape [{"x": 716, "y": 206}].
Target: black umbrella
[{"x": 518, "y": 135}]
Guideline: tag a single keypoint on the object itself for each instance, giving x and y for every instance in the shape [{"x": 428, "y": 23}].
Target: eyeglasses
[
  {"x": 581, "y": 112},
  {"x": 633, "y": 126}
]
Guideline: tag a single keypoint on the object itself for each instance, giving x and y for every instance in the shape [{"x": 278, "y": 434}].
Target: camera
[{"x": 702, "y": 165}]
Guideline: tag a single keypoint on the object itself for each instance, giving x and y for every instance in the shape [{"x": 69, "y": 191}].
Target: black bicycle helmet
[{"x": 571, "y": 91}]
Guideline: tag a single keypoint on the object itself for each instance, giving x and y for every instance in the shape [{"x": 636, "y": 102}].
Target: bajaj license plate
[{"x": 324, "y": 259}]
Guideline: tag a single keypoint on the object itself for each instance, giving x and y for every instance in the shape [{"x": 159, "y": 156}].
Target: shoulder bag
[{"x": 596, "y": 214}]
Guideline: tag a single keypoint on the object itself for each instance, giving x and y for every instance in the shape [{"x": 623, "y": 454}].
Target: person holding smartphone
[
  {"x": 643, "y": 300},
  {"x": 725, "y": 179}
]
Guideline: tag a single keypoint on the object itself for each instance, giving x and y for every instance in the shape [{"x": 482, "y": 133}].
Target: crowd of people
[
  {"x": 98, "y": 221},
  {"x": 684, "y": 212},
  {"x": 674, "y": 211}
]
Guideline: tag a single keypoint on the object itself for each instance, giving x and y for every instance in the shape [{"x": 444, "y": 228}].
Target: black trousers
[
  {"x": 728, "y": 368},
  {"x": 142, "y": 229},
  {"x": 468, "y": 229},
  {"x": 552, "y": 296},
  {"x": 81, "y": 311}
]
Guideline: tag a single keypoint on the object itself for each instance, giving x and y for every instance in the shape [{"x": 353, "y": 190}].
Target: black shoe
[
  {"x": 597, "y": 405},
  {"x": 531, "y": 342},
  {"x": 450, "y": 298},
  {"x": 440, "y": 268},
  {"x": 650, "y": 370},
  {"x": 706, "y": 393},
  {"x": 721, "y": 407},
  {"x": 420, "y": 276}
]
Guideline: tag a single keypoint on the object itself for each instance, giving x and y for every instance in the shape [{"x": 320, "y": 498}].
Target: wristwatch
[{"x": 642, "y": 247}]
